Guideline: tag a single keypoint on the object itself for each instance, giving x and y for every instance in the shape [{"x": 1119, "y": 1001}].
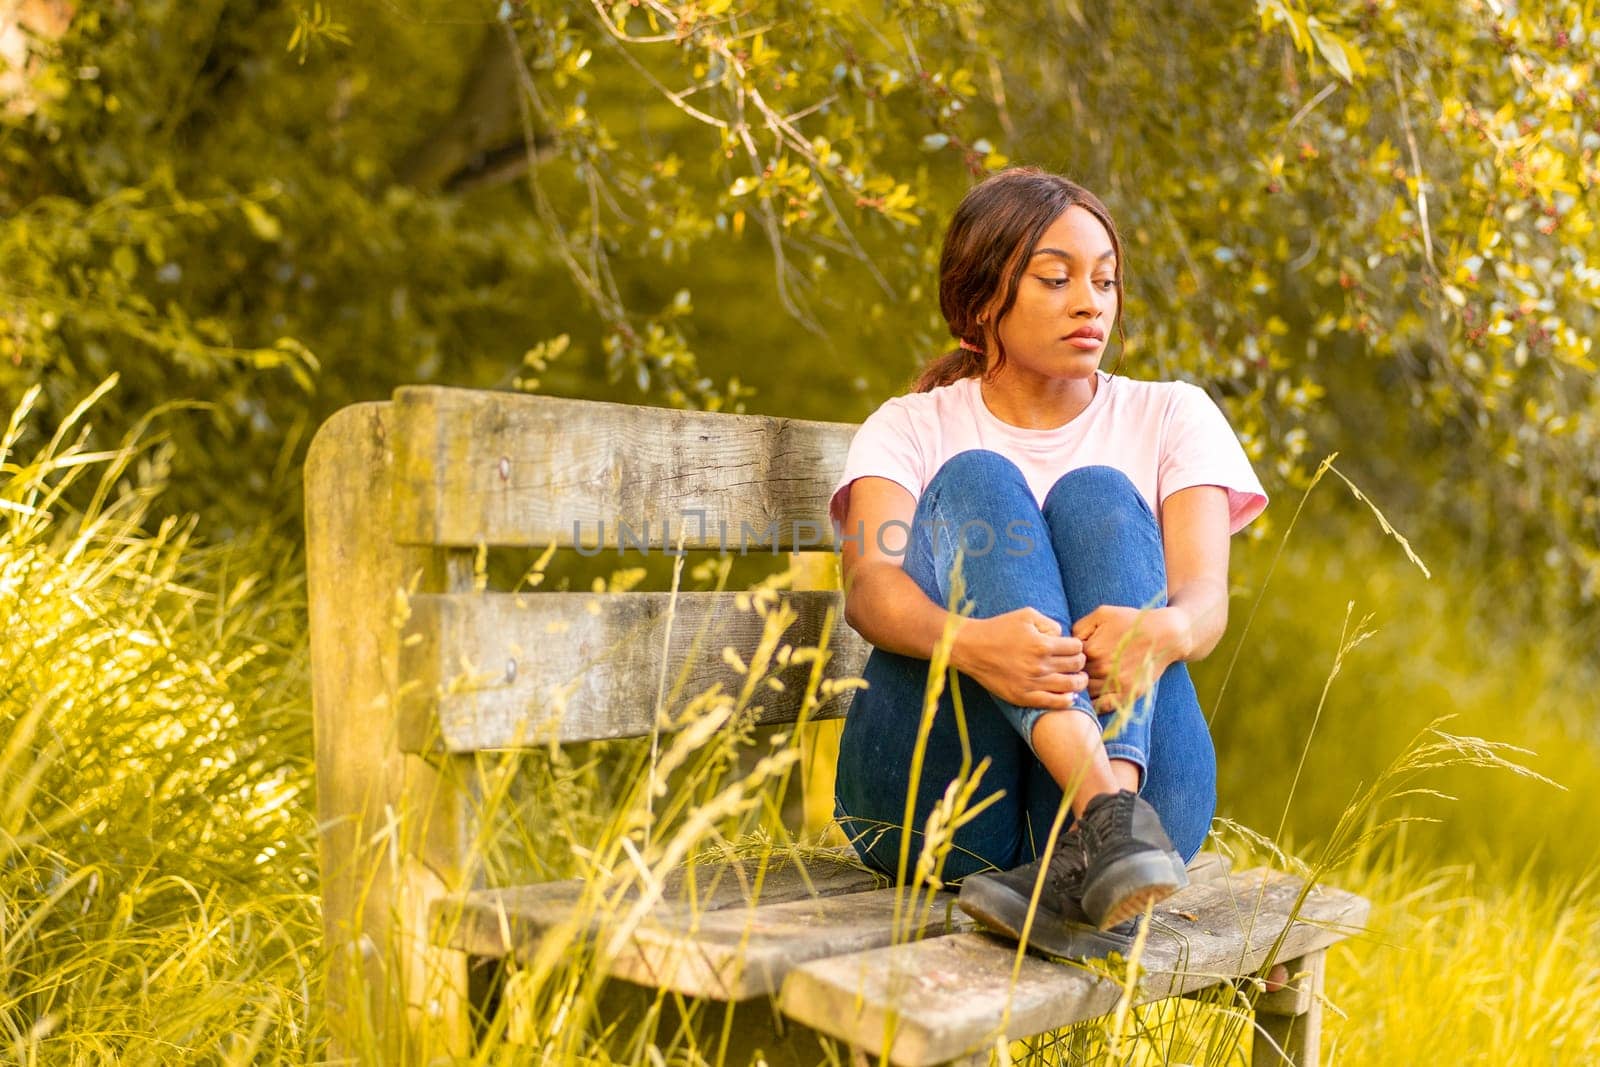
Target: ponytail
[
  {"x": 950, "y": 367},
  {"x": 967, "y": 361}
]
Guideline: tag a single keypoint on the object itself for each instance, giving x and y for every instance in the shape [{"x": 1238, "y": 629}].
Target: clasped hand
[
  {"x": 1022, "y": 656},
  {"x": 1126, "y": 650}
]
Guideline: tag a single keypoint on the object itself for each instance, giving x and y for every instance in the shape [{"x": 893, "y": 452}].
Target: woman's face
[{"x": 1066, "y": 302}]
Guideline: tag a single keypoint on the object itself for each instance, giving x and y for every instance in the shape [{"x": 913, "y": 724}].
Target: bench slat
[
  {"x": 947, "y": 995},
  {"x": 508, "y": 469},
  {"x": 703, "y": 938},
  {"x": 486, "y": 667},
  {"x": 708, "y": 886},
  {"x": 738, "y": 953}
]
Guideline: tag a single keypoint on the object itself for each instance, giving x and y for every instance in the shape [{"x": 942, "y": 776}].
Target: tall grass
[
  {"x": 158, "y": 901},
  {"x": 1428, "y": 650},
  {"x": 156, "y": 895},
  {"x": 1468, "y": 966},
  {"x": 619, "y": 817}
]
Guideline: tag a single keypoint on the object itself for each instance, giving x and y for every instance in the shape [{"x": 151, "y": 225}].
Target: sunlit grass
[
  {"x": 155, "y": 891},
  {"x": 158, "y": 901},
  {"x": 1425, "y": 654},
  {"x": 1468, "y": 966}
]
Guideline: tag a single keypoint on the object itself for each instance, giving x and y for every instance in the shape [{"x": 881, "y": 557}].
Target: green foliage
[{"x": 1365, "y": 224}]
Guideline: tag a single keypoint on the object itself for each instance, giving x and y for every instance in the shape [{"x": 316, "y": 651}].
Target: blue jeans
[{"x": 1094, "y": 542}]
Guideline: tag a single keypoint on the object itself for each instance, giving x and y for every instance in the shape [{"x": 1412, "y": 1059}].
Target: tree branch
[{"x": 480, "y": 143}]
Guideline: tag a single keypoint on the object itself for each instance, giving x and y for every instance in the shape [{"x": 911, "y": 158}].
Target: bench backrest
[
  {"x": 414, "y": 667},
  {"x": 476, "y": 469}
]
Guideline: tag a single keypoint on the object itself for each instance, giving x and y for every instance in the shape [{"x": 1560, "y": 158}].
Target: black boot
[
  {"x": 999, "y": 900},
  {"x": 1129, "y": 862}
]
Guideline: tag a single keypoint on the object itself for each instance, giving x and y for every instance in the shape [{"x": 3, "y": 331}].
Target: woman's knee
[
  {"x": 1100, "y": 486},
  {"x": 978, "y": 500},
  {"x": 1099, "y": 505},
  {"x": 978, "y": 467}
]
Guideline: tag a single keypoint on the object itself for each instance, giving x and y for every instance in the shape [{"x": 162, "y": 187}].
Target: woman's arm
[
  {"x": 882, "y": 602},
  {"x": 1194, "y": 534},
  {"x": 1127, "y": 648}
]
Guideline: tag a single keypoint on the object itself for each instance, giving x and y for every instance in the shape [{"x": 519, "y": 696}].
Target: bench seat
[
  {"x": 703, "y": 937},
  {"x": 710, "y": 933},
  {"x": 944, "y": 998}
]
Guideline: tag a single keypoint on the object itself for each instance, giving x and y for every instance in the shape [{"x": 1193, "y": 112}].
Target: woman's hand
[
  {"x": 1022, "y": 657},
  {"x": 1127, "y": 649}
]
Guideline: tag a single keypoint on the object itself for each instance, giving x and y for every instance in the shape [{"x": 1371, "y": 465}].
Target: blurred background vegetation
[{"x": 1365, "y": 227}]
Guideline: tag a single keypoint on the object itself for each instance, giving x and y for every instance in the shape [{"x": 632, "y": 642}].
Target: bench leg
[
  {"x": 1289, "y": 1022},
  {"x": 394, "y": 834}
]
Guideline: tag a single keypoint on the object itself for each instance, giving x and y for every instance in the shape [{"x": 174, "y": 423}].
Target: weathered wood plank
[
  {"x": 738, "y": 953},
  {"x": 946, "y": 997},
  {"x": 705, "y": 937},
  {"x": 1209, "y": 867},
  {"x": 506, "y": 469},
  {"x": 480, "y": 921},
  {"x": 702, "y": 938},
  {"x": 500, "y": 670},
  {"x": 389, "y": 989}
]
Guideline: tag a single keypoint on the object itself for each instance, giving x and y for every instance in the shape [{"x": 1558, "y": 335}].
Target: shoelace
[
  {"x": 1064, "y": 875},
  {"x": 1109, "y": 815}
]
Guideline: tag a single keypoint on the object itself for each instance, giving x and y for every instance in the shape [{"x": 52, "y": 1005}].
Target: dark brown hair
[{"x": 985, "y": 254}]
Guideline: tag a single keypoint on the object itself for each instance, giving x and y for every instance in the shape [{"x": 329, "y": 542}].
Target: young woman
[{"x": 1093, "y": 514}]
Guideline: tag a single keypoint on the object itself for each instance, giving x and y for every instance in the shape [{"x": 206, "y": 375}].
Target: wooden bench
[{"x": 416, "y": 668}]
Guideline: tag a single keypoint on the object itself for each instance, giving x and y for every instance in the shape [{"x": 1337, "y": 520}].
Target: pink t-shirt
[{"x": 1164, "y": 436}]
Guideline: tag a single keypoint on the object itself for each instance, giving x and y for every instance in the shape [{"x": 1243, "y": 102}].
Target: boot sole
[
  {"x": 1003, "y": 911},
  {"x": 1130, "y": 885}
]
